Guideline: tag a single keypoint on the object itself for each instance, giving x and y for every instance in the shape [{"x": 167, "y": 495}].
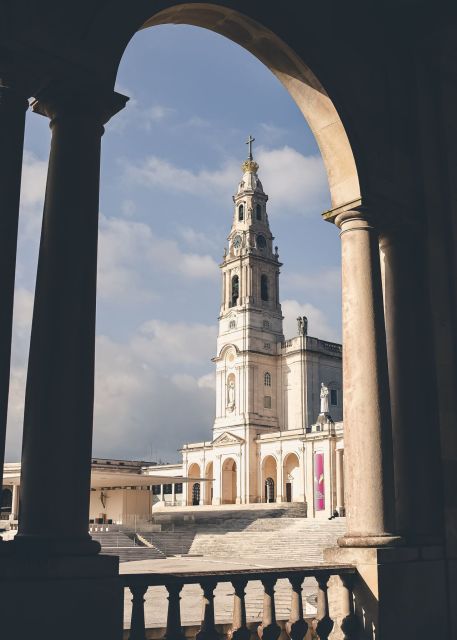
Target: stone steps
[{"x": 298, "y": 539}]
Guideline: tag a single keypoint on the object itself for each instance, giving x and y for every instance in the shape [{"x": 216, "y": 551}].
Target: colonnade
[{"x": 381, "y": 506}]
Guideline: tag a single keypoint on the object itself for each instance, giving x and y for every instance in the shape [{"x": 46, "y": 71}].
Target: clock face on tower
[{"x": 237, "y": 242}]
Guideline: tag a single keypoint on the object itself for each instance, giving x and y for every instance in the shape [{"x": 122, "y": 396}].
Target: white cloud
[
  {"x": 129, "y": 252},
  {"x": 157, "y": 172},
  {"x": 135, "y": 114},
  {"x": 296, "y": 184},
  {"x": 318, "y": 324},
  {"x": 146, "y": 394},
  {"x": 197, "y": 239},
  {"x": 326, "y": 281},
  {"x": 33, "y": 184}
]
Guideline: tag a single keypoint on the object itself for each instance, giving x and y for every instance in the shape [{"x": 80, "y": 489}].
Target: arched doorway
[
  {"x": 208, "y": 489},
  {"x": 193, "y": 472},
  {"x": 229, "y": 481},
  {"x": 269, "y": 490},
  {"x": 195, "y": 494},
  {"x": 270, "y": 479},
  {"x": 291, "y": 478},
  {"x": 7, "y": 502}
]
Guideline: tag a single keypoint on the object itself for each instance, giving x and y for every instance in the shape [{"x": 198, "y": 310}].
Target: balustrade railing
[{"x": 296, "y": 627}]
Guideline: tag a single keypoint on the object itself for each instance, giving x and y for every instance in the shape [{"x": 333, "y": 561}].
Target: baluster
[
  {"x": 349, "y": 624},
  {"x": 174, "y": 628},
  {"x": 296, "y": 626},
  {"x": 239, "y": 630},
  {"x": 208, "y": 628},
  {"x": 322, "y": 624},
  {"x": 137, "y": 628},
  {"x": 269, "y": 629}
]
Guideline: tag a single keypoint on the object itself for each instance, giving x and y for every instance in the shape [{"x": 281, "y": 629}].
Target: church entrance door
[
  {"x": 196, "y": 494},
  {"x": 288, "y": 492},
  {"x": 269, "y": 490}
]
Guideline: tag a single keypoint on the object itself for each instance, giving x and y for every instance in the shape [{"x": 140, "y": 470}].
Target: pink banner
[{"x": 319, "y": 486}]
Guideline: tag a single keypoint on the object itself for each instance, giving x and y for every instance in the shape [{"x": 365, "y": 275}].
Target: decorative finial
[{"x": 250, "y": 164}]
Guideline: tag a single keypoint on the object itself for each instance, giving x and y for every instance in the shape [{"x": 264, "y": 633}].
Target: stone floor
[{"x": 191, "y": 604}]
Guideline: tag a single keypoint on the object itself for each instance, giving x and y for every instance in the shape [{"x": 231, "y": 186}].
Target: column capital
[
  {"x": 58, "y": 102},
  {"x": 11, "y": 99}
]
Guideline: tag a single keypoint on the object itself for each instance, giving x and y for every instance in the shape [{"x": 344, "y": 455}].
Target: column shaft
[
  {"x": 414, "y": 413},
  {"x": 58, "y": 417},
  {"x": 339, "y": 482},
  {"x": 12, "y": 121},
  {"x": 368, "y": 435}
]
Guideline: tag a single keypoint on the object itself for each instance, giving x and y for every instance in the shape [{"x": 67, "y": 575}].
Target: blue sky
[{"x": 170, "y": 164}]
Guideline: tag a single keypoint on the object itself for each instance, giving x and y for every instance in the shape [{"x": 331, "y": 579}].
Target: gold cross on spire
[{"x": 249, "y": 142}]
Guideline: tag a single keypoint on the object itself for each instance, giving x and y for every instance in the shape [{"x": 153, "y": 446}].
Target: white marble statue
[
  {"x": 231, "y": 394},
  {"x": 324, "y": 398}
]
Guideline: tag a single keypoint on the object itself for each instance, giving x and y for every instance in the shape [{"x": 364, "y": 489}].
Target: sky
[{"x": 170, "y": 165}]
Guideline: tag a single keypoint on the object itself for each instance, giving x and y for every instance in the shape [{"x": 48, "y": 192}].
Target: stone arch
[
  {"x": 194, "y": 473},
  {"x": 291, "y": 476},
  {"x": 208, "y": 488},
  {"x": 229, "y": 481},
  {"x": 269, "y": 476},
  {"x": 298, "y": 79}
]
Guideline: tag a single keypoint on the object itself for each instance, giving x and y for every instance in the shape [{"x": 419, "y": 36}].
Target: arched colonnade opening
[
  {"x": 269, "y": 479},
  {"x": 193, "y": 486},
  {"x": 229, "y": 481},
  {"x": 73, "y": 187},
  {"x": 292, "y": 480}
]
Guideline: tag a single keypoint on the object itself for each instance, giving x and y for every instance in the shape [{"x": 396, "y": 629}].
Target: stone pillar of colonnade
[
  {"x": 53, "y": 556},
  {"x": 387, "y": 502},
  {"x": 15, "y": 502},
  {"x": 417, "y": 461},
  {"x": 60, "y": 381},
  {"x": 13, "y": 106},
  {"x": 369, "y": 479},
  {"x": 339, "y": 481}
]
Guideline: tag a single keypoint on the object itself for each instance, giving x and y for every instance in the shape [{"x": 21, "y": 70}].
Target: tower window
[
  {"x": 267, "y": 379},
  {"x": 235, "y": 291},
  {"x": 258, "y": 212},
  {"x": 267, "y": 402},
  {"x": 241, "y": 213},
  {"x": 232, "y": 324},
  {"x": 264, "y": 287},
  {"x": 266, "y": 324},
  {"x": 333, "y": 397}
]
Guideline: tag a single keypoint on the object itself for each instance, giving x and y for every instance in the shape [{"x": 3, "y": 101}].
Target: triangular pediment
[{"x": 227, "y": 438}]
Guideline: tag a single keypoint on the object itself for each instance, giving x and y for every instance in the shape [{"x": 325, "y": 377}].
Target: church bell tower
[{"x": 250, "y": 320}]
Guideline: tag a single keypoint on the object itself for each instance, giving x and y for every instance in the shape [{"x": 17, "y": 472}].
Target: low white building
[{"x": 278, "y": 434}]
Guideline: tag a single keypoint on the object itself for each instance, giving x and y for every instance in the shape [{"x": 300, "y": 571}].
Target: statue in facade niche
[
  {"x": 231, "y": 395},
  {"x": 324, "y": 398}
]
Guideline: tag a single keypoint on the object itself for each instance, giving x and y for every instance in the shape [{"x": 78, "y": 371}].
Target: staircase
[
  {"x": 264, "y": 533},
  {"x": 126, "y": 545}
]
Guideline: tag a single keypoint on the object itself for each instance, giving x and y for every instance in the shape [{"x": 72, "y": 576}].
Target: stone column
[
  {"x": 15, "y": 503},
  {"x": 368, "y": 434},
  {"x": 58, "y": 417},
  {"x": 12, "y": 120},
  {"x": 173, "y": 494},
  {"x": 339, "y": 482},
  {"x": 417, "y": 463}
]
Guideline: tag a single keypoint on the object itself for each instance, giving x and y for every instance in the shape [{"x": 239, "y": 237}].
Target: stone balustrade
[{"x": 296, "y": 627}]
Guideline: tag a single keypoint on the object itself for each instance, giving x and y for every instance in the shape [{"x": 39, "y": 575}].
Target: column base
[
  {"x": 397, "y": 591},
  {"x": 54, "y": 546},
  {"x": 349, "y": 540},
  {"x": 61, "y": 597}
]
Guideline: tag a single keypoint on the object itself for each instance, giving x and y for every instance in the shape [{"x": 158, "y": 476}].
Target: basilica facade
[{"x": 278, "y": 433}]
